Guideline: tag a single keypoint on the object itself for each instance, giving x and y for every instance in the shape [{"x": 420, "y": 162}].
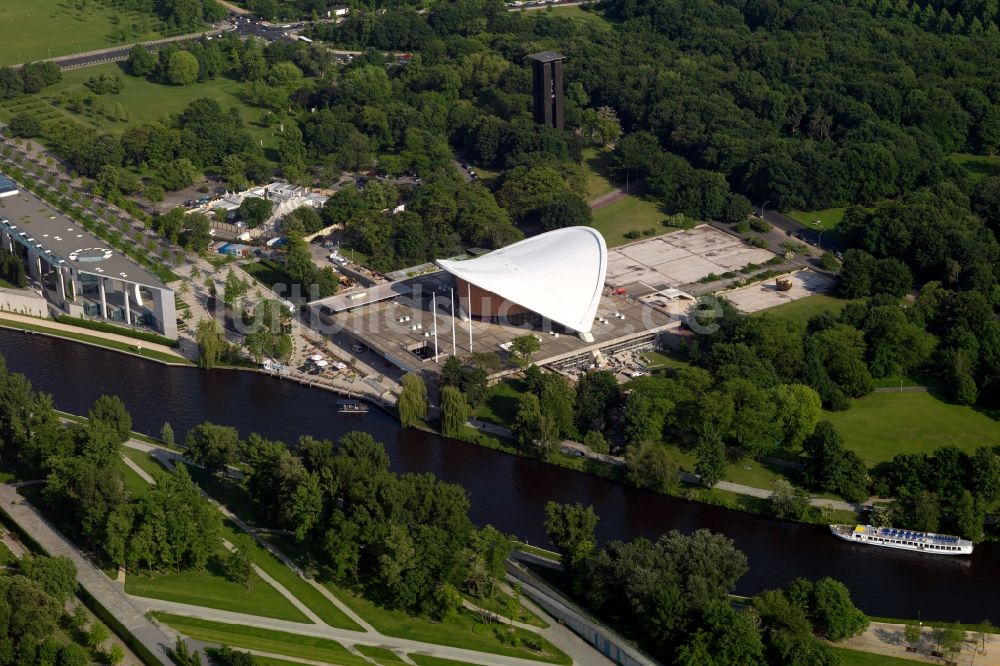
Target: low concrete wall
[
  {"x": 603, "y": 639},
  {"x": 23, "y": 301}
]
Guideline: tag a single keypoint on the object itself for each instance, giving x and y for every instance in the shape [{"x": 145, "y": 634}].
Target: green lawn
[
  {"x": 379, "y": 654},
  {"x": 978, "y": 166},
  {"x": 273, "y": 661},
  {"x": 141, "y": 100},
  {"x": 804, "y": 309},
  {"x": 500, "y": 405},
  {"x": 500, "y": 605},
  {"x": 6, "y": 557},
  {"x": 36, "y": 29},
  {"x": 211, "y": 589},
  {"x": 828, "y": 217},
  {"x": 656, "y": 360},
  {"x": 428, "y": 660},
  {"x": 461, "y": 630},
  {"x": 94, "y": 340},
  {"x": 576, "y": 14},
  {"x": 855, "y": 658},
  {"x": 303, "y": 591},
  {"x": 884, "y": 424},
  {"x": 267, "y": 272},
  {"x": 134, "y": 484},
  {"x": 265, "y": 640},
  {"x": 629, "y": 214},
  {"x": 595, "y": 164},
  {"x": 146, "y": 461}
]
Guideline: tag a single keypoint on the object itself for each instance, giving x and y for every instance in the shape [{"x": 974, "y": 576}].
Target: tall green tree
[
  {"x": 212, "y": 446},
  {"x": 454, "y": 411},
  {"x": 412, "y": 403},
  {"x": 211, "y": 343},
  {"x": 571, "y": 530},
  {"x": 711, "y": 462}
]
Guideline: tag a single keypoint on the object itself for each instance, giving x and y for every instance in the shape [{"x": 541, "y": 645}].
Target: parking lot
[
  {"x": 764, "y": 295},
  {"x": 679, "y": 258}
]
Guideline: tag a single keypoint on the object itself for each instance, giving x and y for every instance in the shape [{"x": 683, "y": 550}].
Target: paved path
[
  {"x": 576, "y": 448},
  {"x": 59, "y": 326},
  {"x": 887, "y": 639},
  {"x": 558, "y": 635},
  {"x": 92, "y": 579},
  {"x": 343, "y": 636},
  {"x": 617, "y": 194}
]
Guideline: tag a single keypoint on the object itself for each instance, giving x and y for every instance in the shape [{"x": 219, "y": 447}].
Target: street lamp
[
  {"x": 819, "y": 239},
  {"x": 762, "y": 208}
]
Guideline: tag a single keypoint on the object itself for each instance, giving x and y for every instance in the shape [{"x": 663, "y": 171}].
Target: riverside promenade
[{"x": 92, "y": 579}]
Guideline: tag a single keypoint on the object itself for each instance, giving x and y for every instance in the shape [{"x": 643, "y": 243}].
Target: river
[{"x": 507, "y": 491}]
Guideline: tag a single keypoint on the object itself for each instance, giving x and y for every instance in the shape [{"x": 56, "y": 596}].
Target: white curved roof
[{"x": 558, "y": 274}]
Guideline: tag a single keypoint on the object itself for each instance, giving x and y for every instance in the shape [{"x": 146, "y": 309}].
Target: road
[
  {"x": 801, "y": 231},
  {"x": 92, "y": 579}
]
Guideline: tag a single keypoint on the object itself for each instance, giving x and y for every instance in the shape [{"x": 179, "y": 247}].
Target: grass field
[
  {"x": 6, "y": 557},
  {"x": 428, "y": 660},
  {"x": 884, "y": 424},
  {"x": 576, "y": 14},
  {"x": 656, "y": 360},
  {"x": 94, "y": 340},
  {"x": 500, "y": 405},
  {"x": 855, "y": 658},
  {"x": 140, "y": 101},
  {"x": 36, "y": 29},
  {"x": 978, "y": 166},
  {"x": 267, "y": 273},
  {"x": 461, "y": 630},
  {"x": 595, "y": 164},
  {"x": 802, "y": 310},
  {"x": 265, "y": 640},
  {"x": 145, "y": 461},
  {"x": 383, "y": 656},
  {"x": 302, "y": 589},
  {"x": 134, "y": 484},
  {"x": 211, "y": 589},
  {"x": 828, "y": 218},
  {"x": 629, "y": 214}
]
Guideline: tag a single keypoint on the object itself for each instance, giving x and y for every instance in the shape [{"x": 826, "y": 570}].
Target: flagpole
[
  {"x": 434, "y": 314},
  {"x": 454, "y": 351}
]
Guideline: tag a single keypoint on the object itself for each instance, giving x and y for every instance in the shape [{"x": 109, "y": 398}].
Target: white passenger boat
[{"x": 891, "y": 537}]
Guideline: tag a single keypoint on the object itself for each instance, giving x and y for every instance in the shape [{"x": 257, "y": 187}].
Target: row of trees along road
[{"x": 672, "y": 597}]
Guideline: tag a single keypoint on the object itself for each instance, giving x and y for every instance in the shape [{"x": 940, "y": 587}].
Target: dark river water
[{"x": 507, "y": 491}]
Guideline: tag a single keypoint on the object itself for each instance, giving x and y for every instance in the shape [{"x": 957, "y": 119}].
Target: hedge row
[{"x": 120, "y": 330}]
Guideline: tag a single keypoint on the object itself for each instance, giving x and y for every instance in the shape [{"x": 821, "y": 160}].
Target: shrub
[
  {"x": 120, "y": 330},
  {"x": 829, "y": 262},
  {"x": 759, "y": 225}
]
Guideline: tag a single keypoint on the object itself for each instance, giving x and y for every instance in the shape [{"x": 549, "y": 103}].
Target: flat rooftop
[
  {"x": 379, "y": 326},
  {"x": 679, "y": 258},
  {"x": 764, "y": 295},
  {"x": 547, "y": 56},
  {"x": 57, "y": 236}
]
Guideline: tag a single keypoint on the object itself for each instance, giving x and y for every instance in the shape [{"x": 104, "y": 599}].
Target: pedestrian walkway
[
  {"x": 100, "y": 587},
  {"x": 68, "y": 328},
  {"x": 558, "y": 635},
  {"x": 888, "y": 639}
]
